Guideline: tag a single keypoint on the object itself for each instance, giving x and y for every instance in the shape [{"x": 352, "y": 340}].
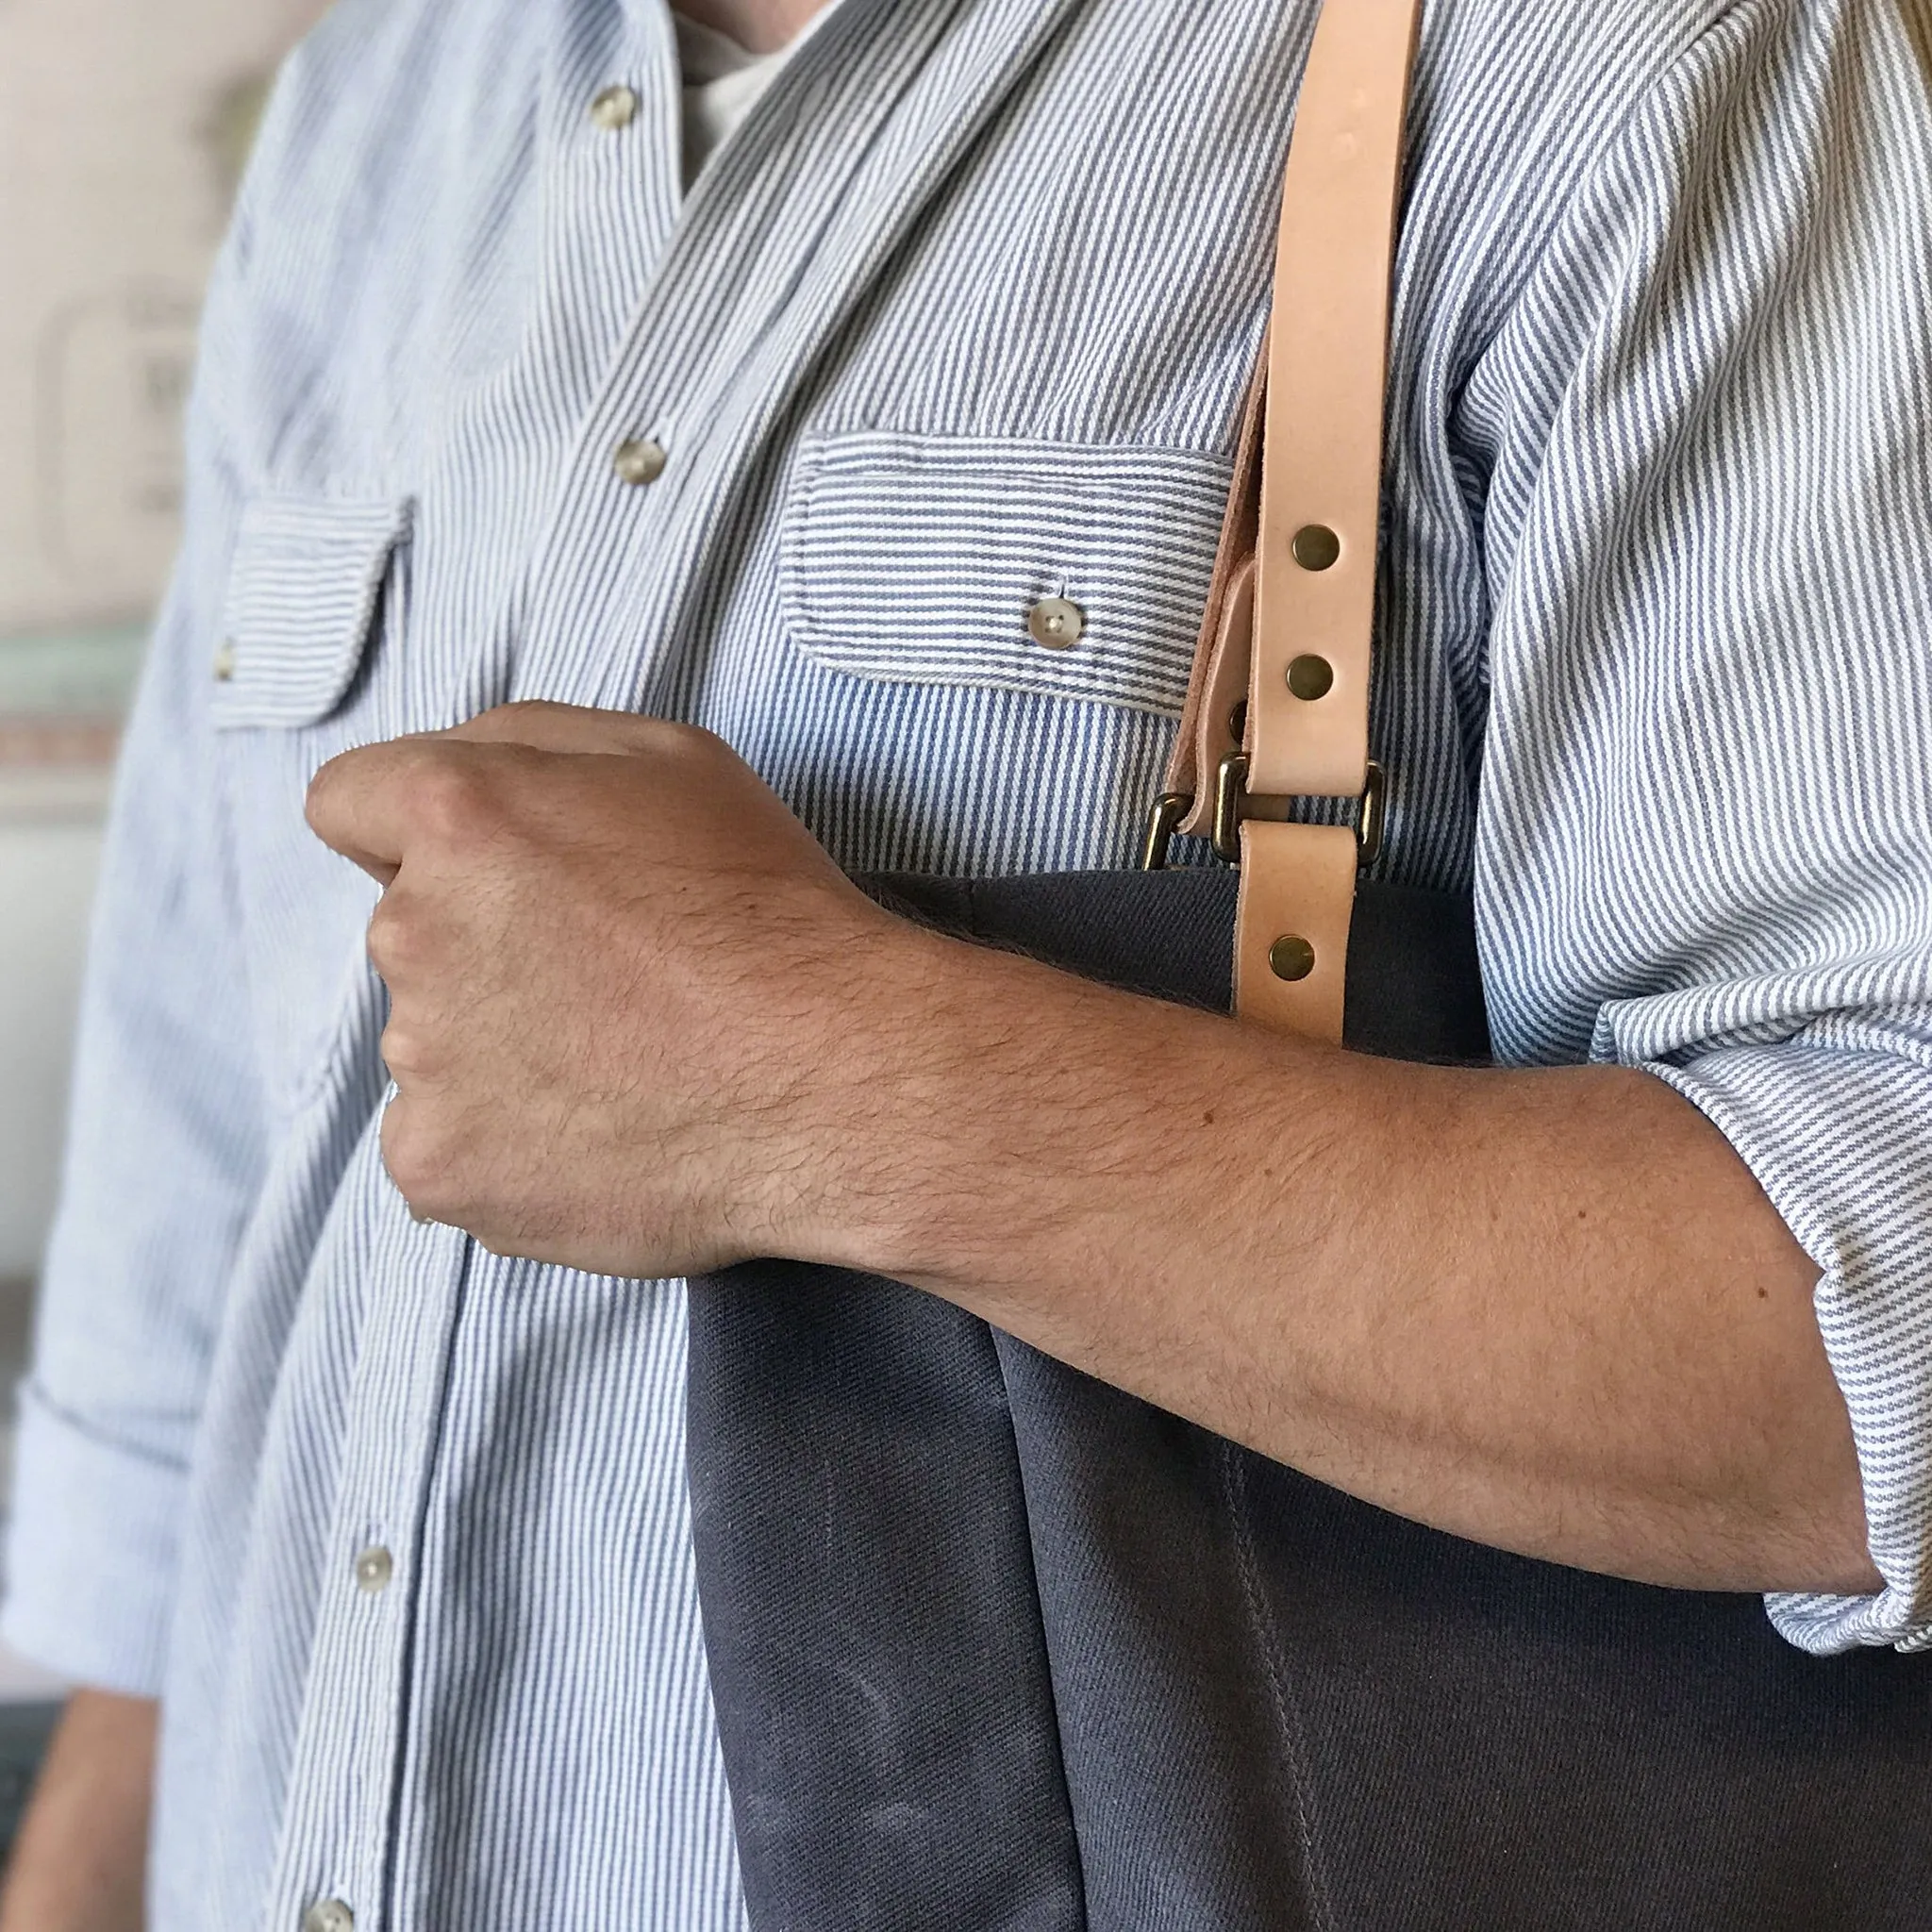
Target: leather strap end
[
  {"x": 1290, "y": 955},
  {"x": 1221, "y": 691},
  {"x": 1192, "y": 766}
]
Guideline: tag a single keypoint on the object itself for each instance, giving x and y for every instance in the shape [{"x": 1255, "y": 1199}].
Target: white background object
[{"x": 123, "y": 126}]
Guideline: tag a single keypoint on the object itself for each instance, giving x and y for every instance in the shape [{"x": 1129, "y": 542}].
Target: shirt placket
[
  {"x": 332, "y": 1867},
  {"x": 610, "y": 111}
]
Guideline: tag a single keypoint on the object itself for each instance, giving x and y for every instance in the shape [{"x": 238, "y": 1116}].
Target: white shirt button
[
  {"x": 224, "y": 663},
  {"x": 614, "y": 107},
  {"x": 375, "y": 1566},
  {"x": 328, "y": 1915},
  {"x": 639, "y": 463},
  {"x": 1058, "y": 623}
]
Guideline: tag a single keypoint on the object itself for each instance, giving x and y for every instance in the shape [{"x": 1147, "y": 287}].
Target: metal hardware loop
[
  {"x": 1230, "y": 802},
  {"x": 1231, "y": 795},
  {"x": 1170, "y": 808}
]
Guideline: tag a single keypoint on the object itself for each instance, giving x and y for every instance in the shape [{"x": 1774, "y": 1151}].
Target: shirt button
[
  {"x": 639, "y": 463},
  {"x": 1058, "y": 623},
  {"x": 328, "y": 1915},
  {"x": 614, "y": 107},
  {"x": 373, "y": 1569},
  {"x": 224, "y": 663}
]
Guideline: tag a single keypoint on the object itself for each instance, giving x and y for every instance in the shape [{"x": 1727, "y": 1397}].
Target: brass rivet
[
  {"x": 639, "y": 463},
  {"x": 1310, "y": 678},
  {"x": 1058, "y": 623},
  {"x": 614, "y": 107},
  {"x": 1317, "y": 547},
  {"x": 1291, "y": 958},
  {"x": 1238, "y": 723}
]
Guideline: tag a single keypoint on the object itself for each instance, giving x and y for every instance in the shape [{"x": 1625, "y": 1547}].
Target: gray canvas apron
[{"x": 996, "y": 1646}]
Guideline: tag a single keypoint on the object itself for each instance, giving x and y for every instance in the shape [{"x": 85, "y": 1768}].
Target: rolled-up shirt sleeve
[
  {"x": 161, "y": 1163},
  {"x": 1707, "y": 786},
  {"x": 1836, "y": 1125}
]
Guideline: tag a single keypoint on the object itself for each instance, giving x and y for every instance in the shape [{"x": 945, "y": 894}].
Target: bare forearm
[
  {"x": 1549, "y": 1310},
  {"x": 82, "y": 1851}
]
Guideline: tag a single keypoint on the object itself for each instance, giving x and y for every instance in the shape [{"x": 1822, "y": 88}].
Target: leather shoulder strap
[
  {"x": 1327, "y": 387},
  {"x": 1290, "y": 614}
]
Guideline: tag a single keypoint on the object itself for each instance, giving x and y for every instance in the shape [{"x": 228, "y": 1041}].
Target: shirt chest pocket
[
  {"x": 308, "y": 666},
  {"x": 308, "y": 580},
  {"x": 1059, "y": 571}
]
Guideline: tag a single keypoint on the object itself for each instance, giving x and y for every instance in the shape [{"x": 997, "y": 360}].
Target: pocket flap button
[{"x": 1057, "y": 623}]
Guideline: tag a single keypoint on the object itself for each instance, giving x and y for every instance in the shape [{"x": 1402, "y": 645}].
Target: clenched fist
[{"x": 626, "y": 986}]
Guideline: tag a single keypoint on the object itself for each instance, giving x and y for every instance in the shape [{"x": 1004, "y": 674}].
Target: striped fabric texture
[
  {"x": 960, "y": 318},
  {"x": 304, "y": 589}
]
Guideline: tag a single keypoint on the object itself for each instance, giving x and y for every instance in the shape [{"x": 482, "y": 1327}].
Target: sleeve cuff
[
  {"x": 1827, "y": 1624},
  {"x": 1842, "y": 1143},
  {"x": 90, "y": 1551}
]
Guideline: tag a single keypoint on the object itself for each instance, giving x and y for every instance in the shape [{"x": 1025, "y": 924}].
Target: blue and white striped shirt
[{"x": 959, "y": 317}]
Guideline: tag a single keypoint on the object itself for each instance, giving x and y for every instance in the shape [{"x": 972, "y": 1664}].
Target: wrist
[
  {"x": 971, "y": 1105},
  {"x": 850, "y": 1161}
]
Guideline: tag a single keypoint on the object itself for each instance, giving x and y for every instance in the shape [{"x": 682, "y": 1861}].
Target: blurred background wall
[{"x": 123, "y": 127}]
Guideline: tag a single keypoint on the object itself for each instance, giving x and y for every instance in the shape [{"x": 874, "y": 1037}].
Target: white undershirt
[{"x": 722, "y": 82}]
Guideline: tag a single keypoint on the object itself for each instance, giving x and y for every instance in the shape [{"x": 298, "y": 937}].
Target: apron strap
[{"x": 1278, "y": 705}]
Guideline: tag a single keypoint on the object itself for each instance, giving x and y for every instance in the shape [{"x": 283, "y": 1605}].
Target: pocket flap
[
  {"x": 303, "y": 592},
  {"x": 920, "y": 559}
]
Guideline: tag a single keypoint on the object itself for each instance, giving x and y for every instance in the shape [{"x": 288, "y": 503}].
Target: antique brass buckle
[
  {"x": 1230, "y": 808},
  {"x": 1170, "y": 808}
]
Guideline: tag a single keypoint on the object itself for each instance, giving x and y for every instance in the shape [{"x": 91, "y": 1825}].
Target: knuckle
[
  {"x": 319, "y": 801},
  {"x": 390, "y": 937},
  {"x": 405, "y": 1052},
  {"x": 402, "y": 938},
  {"x": 699, "y": 742},
  {"x": 452, "y": 800},
  {"x": 417, "y": 1163},
  {"x": 704, "y": 752}
]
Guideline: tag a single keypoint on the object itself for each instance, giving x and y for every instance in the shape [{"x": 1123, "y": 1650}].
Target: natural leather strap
[
  {"x": 1220, "y": 678},
  {"x": 1300, "y": 616}
]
